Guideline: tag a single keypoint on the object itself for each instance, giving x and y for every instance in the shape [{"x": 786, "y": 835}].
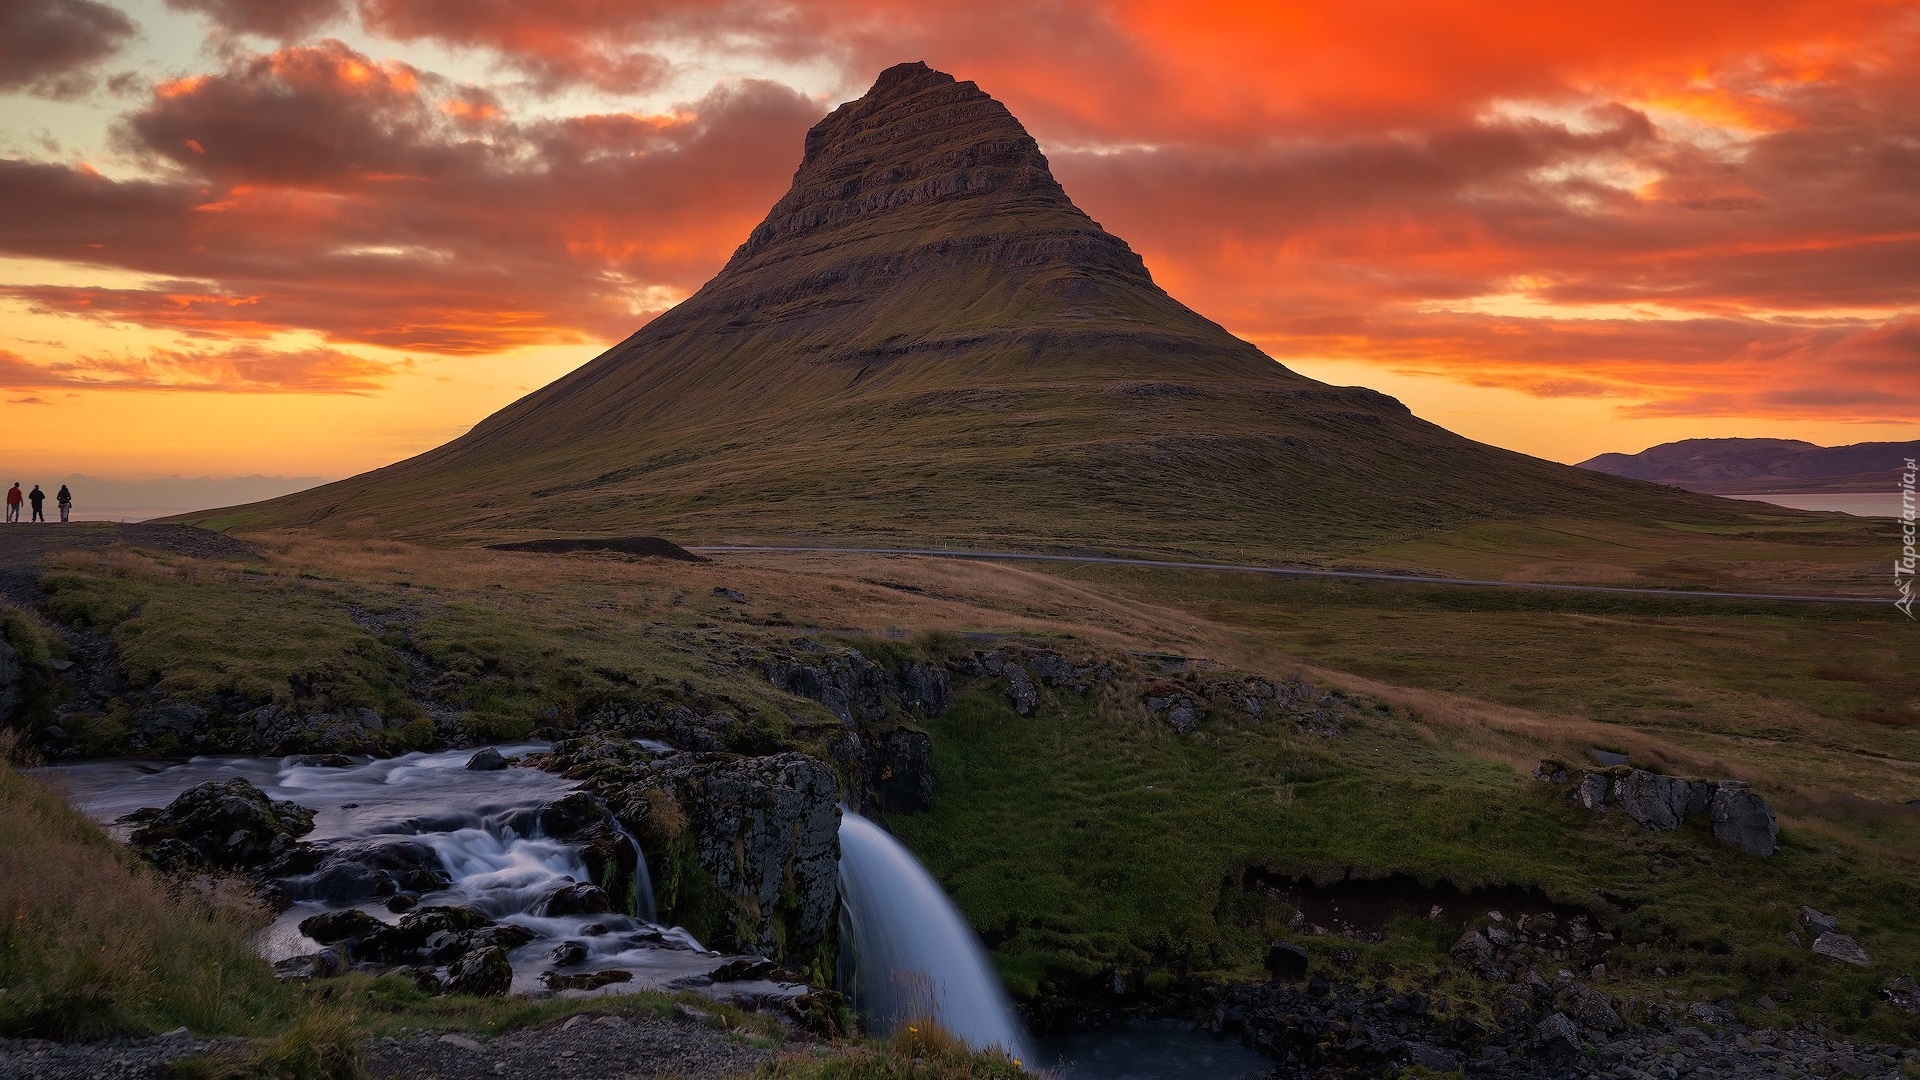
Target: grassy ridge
[{"x": 1093, "y": 836}]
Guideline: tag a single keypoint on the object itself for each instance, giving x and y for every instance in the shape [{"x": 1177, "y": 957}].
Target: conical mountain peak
[
  {"x": 927, "y": 342},
  {"x": 918, "y": 138}
]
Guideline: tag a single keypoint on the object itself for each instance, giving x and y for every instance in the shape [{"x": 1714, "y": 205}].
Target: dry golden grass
[{"x": 93, "y": 942}]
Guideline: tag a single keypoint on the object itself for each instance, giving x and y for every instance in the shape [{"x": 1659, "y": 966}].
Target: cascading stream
[
  {"x": 913, "y": 955},
  {"x": 423, "y": 823}
]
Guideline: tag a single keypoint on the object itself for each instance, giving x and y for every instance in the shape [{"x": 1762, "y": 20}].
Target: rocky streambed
[{"x": 454, "y": 869}]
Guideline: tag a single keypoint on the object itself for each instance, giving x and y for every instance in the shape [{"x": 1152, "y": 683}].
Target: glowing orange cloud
[{"x": 1704, "y": 208}]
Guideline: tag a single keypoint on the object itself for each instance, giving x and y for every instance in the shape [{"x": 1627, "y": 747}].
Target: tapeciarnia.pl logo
[{"x": 1903, "y": 566}]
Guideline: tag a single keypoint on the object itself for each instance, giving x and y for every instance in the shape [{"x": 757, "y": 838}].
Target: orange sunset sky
[{"x": 310, "y": 237}]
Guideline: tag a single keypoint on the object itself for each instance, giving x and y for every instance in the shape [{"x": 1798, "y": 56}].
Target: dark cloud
[
  {"x": 47, "y": 46},
  {"x": 282, "y": 19}
]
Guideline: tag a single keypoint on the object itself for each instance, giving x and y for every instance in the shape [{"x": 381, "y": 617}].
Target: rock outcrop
[
  {"x": 1739, "y": 816},
  {"x": 229, "y": 825},
  {"x": 743, "y": 851}
]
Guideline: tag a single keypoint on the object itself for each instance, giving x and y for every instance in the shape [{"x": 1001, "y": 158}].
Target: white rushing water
[
  {"x": 479, "y": 829},
  {"x": 912, "y": 954}
]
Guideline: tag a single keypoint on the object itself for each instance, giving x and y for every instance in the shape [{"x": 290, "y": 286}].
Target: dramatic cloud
[
  {"x": 317, "y": 189},
  {"x": 47, "y": 45},
  {"x": 1687, "y": 209},
  {"x": 239, "y": 369}
]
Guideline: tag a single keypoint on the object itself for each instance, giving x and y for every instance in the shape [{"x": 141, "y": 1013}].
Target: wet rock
[
  {"x": 228, "y": 824},
  {"x": 756, "y": 844},
  {"x": 581, "y": 898},
  {"x": 482, "y": 973},
  {"x": 352, "y": 871},
  {"x": 1020, "y": 690},
  {"x": 1285, "y": 960},
  {"x": 894, "y": 769},
  {"x": 1591, "y": 794},
  {"x": 322, "y": 761},
  {"x": 1744, "y": 819},
  {"x": 1840, "y": 947},
  {"x": 332, "y": 926},
  {"x": 743, "y": 969},
  {"x": 567, "y": 953},
  {"x": 586, "y": 980},
  {"x": 487, "y": 760}
]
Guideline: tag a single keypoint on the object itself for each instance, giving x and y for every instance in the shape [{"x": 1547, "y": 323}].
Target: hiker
[
  {"x": 65, "y": 499},
  {"x": 13, "y": 502},
  {"x": 39, "y": 499}
]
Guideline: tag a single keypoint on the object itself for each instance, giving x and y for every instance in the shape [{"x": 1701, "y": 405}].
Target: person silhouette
[
  {"x": 65, "y": 499},
  {"x": 39, "y": 499},
  {"x": 13, "y": 502}
]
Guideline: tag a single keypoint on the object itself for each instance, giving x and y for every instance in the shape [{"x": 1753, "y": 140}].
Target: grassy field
[{"x": 1091, "y": 837}]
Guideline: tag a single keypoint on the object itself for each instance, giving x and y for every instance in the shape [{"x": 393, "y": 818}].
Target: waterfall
[{"x": 912, "y": 953}]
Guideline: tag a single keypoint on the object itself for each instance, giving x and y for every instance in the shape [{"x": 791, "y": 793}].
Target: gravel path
[{"x": 25, "y": 544}]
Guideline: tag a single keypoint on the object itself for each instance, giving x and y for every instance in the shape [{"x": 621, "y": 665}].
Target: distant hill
[
  {"x": 927, "y": 342},
  {"x": 1763, "y": 466}
]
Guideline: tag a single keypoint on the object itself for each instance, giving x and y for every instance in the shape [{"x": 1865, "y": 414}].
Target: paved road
[{"x": 1293, "y": 571}]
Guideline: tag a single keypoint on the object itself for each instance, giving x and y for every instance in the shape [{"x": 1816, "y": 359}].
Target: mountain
[
  {"x": 1763, "y": 466},
  {"x": 927, "y": 342}
]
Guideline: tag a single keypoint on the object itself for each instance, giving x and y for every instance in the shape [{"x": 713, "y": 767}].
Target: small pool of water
[{"x": 1157, "y": 1050}]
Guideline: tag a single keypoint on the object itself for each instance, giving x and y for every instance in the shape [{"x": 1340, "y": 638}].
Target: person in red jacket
[{"x": 13, "y": 502}]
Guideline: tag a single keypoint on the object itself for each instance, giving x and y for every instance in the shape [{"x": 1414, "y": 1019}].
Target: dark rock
[
  {"x": 1842, "y": 948},
  {"x": 762, "y": 836},
  {"x": 567, "y": 953},
  {"x": 1593, "y": 1009},
  {"x": 487, "y": 760},
  {"x": 1552, "y": 772},
  {"x": 1434, "y": 1058},
  {"x": 1557, "y": 1038},
  {"x": 893, "y": 770},
  {"x": 859, "y": 691},
  {"x": 401, "y": 903},
  {"x": 228, "y": 824},
  {"x": 1817, "y": 922},
  {"x": 581, "y": 898},
  {"x": 324, "y": 964},
  {"x": 321, "y": 761},
  {"x": 1591, "y": 794},
  {"x": 1744, "y": 819},
  {"x": 178, "y": 720},
  {"x": 1472, "y": 947},
  {"x": 1020, "y": 690},
  {"x": 352, "y": 871},
  {"x": 482, "y": 973},
  {"x": 1658, "y": 802},
  {"x": 586, "y": 980},
  {"x": 743, "y": 969},
  {"x": 1285, "y": 960},
  {"x": 725, "y": 593},
  {"x": 1903, "y": 994},
  {"x": 332, "y": 926}
]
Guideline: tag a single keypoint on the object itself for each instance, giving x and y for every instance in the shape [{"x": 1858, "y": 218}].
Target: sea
[{"x": 1875, "y": 504}]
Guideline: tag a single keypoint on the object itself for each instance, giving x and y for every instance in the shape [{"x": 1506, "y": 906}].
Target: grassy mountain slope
[{"x": 927, "y": 342}]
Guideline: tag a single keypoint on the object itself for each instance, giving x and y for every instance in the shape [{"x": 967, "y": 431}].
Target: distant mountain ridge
[
  {"x": 926, "y": 343},
  {"x": 1763, "y": 466}
]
